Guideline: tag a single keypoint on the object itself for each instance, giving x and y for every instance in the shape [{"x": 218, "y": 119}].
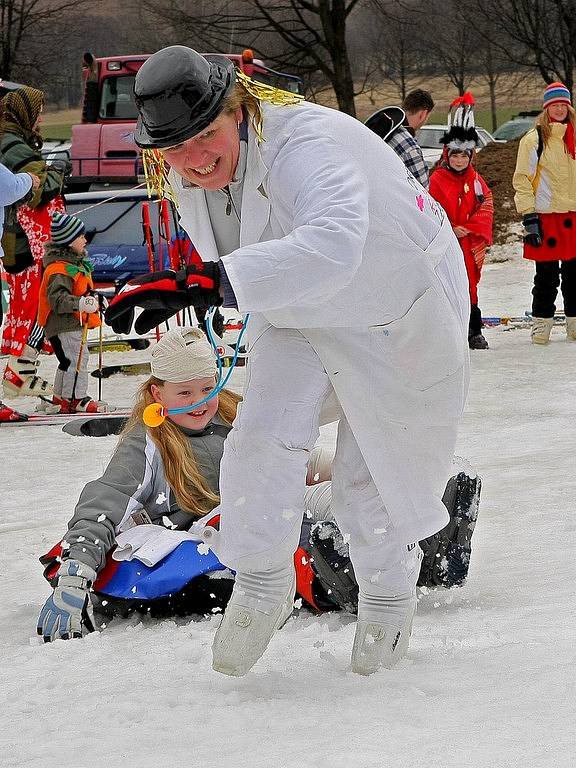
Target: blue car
[{"x": 116, "y": 242}]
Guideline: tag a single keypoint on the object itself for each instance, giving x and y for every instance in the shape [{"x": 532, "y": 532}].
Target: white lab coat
[{"x": 339, "y": 241}]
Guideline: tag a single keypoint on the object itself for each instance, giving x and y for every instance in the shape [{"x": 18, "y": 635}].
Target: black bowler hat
[{"x": 179, "y": 93}]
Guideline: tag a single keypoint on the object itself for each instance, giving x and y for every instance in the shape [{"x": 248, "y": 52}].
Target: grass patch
[{"x": 56, "y": 130}]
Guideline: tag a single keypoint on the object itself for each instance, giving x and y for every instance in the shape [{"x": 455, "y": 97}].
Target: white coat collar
[
  {"x": 255, "y": 202},
  {"x": 255, "y": 205}
]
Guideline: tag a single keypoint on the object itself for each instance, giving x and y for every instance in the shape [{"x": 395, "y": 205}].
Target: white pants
[
  {"x": 64, "y": 379},
  {"x": 264, "y": 466}
]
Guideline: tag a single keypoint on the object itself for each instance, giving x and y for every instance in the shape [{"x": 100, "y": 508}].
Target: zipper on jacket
[{"x": 230, "y": 202}]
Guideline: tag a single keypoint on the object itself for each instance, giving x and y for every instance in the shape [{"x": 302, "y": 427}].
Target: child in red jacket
[{"x": 467, "y": 200}]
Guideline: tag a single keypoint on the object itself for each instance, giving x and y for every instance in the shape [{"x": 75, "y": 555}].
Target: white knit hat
[{"x": 183, "y": 354}]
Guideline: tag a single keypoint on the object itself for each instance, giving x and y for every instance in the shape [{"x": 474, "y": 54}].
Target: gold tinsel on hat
[{"x": 156, "y": 170}]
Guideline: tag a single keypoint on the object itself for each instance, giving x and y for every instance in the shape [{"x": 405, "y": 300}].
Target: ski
[
  {"x": 519, "y": 320},
  {"x": 128, "y": 369},
  {"x": 118, "y": 345},
  {"x": 51, "y": 419},
  {"x": 143, "y": 368}
]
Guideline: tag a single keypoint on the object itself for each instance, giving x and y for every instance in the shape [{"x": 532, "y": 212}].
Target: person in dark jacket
[{"x": 26, "y": 230}]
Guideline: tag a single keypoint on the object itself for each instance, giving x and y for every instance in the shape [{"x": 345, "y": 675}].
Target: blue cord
[{"x": 220, "y": 383}]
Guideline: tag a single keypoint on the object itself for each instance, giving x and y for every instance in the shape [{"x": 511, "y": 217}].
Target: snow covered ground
[{"x": 489, "y": 681}]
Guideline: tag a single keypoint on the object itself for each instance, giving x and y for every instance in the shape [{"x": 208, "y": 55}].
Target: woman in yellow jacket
[{"x": 545, "y": 184}]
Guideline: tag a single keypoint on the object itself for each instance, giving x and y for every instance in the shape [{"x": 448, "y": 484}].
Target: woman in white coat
[{"x": 357, "y": 297}]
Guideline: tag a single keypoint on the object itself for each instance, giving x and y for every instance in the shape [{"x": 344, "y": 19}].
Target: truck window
[
  {"x": 294, "y": 85},
  {"x": 117, "y": 102}
]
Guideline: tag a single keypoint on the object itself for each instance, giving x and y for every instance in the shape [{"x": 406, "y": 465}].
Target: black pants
[
  {"x": 475, "y": 323},
  {"x": 546, "y": 282}
]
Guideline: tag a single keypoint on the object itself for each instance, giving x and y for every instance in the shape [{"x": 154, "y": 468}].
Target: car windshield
[
  {"x": 429, "y": 138},
  {"x": 513, "y": 129}
]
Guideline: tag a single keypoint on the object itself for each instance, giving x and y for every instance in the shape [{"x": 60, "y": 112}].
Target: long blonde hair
[
  {"x": 545, "y": 124},
  {"x": 190, "y": 488}
]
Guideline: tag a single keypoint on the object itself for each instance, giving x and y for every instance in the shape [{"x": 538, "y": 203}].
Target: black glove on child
[
  {"x": 161, "y": 295},
  {"x": 533, "y": 230}
]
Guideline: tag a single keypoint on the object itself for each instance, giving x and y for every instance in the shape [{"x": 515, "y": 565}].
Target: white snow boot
[
  {"x": 260, "y": 603},
  {"x": 382, "y": 631},
  {"x": 571, "y": 328},
  {"x": 541, "y": 327},
  {"x": 21, "y": 376}
]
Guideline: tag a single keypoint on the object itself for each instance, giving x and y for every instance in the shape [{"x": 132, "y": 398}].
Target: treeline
[{"x": 348, "y": 46}]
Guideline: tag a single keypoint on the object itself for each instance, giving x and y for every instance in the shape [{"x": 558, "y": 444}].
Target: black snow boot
[
  {"x": 447, "y": 553},
  {"x": 476, "y": 339},
  {"x": 331, "y": 564}
]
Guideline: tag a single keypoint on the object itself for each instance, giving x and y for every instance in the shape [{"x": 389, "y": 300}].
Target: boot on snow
[
  {"x": 49, "y": 406},
  {"x": 84, "y": 405},
  {"x": 252, "y": 615},
  {"x": 21, "y": 376},
  {"x": 571, "y": 328},
  {"x": 331, "y": 563},
  {"x": 383, "y": 631},
  {"x": 477, "y": 341},
  {"x": 447, "y": 553},
  {"x": 541, "y": 328},
  {"x": 8, "y": 414}
]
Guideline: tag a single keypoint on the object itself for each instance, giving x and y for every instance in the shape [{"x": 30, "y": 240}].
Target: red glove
[{"x": 162, "y": 294}]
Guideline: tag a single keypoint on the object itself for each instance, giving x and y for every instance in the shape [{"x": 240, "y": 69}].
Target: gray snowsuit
[{"x": 133, "y": 481}]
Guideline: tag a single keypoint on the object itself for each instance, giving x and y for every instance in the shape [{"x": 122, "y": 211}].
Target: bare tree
[
  {"x": 305, "y": 36},
  {"x": 396, "y": 32},
  {"x": 20, "y": 23},
  {"x": 540, "y": 34},
  {"x": 448, "y": 41}
]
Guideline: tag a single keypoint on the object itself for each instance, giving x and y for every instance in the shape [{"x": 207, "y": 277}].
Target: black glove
[
  {"x": 161, "y": 295},
  {"x": 217, "y": 320},
  {"x": 533, "y": 229},
  {"x": 62, "y": 166}
]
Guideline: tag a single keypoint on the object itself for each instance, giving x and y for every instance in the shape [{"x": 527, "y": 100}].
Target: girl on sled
[{"x": 155, "y": 500}]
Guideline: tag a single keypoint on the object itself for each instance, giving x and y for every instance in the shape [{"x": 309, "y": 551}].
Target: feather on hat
[{"x": 461, "y": 133}]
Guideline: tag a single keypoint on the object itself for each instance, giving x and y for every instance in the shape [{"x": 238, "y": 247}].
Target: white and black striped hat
[{"x": 64, "y": 229}]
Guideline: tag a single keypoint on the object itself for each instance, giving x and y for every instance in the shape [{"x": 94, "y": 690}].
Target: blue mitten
[{"x": 68, "y": 610}]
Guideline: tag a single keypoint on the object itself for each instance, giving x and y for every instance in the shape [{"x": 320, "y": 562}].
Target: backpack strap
[
  {"x": 540, "y": 147},
  {"x": 535, "y": 180}
]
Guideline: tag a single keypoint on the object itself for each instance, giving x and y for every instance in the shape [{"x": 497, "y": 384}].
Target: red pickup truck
[{"x": 103, "y": 149}]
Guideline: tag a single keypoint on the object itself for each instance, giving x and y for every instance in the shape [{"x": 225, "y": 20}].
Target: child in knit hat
[
  {"x": 67, "y": 309},
  {"x": 545, "y": 184}
]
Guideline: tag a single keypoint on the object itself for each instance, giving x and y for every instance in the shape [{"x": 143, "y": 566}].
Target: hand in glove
[
  {"x": 532, "y": 229},
  {"x": 162, "y": 294},
  {"x": 62, "y": 166},
  {"x": 68, "y": 611},
  {"x": 88, "y": 304}
]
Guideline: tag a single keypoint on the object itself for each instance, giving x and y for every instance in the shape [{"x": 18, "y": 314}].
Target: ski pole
[
  {"x": 164, "y": 234},
  {"x": 100, "y": 347},
  {"x": 177, "y": 239},
  {"x": 79, "y": 360},
  {"x": 147, "y": 229}
]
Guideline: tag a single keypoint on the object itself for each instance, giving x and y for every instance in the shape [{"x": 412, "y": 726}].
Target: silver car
[{"x": 429, "y": 138}]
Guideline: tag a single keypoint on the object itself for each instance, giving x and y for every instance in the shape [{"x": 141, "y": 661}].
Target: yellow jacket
[{"x": 555, "y": 182}]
